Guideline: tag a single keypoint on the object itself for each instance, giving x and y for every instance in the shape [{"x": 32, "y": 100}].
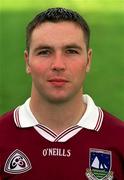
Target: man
[{"x": 59, "y": 133}]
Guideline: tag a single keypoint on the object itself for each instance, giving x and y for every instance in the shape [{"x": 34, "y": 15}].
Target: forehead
[
  {"x": 60, "y": 31},
  {"x": 61, "y": 24}
]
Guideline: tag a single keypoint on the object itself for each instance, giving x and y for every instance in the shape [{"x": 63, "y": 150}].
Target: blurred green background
[{"x": 105, "y": 82}]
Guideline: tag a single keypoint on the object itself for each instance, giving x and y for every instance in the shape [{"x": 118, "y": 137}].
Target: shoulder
[
  {"x": 6, "y": 119},
  {"x": 6, "y": 116},
  {"x": 112, "y": 121}
]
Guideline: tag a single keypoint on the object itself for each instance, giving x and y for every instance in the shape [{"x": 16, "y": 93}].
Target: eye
[
  {"x": 44, "y": 52},
  {"x": 72, "y": 51}
]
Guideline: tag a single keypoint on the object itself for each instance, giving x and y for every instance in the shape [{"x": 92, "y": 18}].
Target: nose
[{"x": 58, "y": 63}]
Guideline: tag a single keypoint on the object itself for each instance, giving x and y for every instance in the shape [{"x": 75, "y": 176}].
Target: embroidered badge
[
  {"x": 100, "y": 162},
  {"x": 17, "y": 163}
]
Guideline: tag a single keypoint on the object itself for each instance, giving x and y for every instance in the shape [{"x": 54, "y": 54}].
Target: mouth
[{"x": 58, "y": 82}]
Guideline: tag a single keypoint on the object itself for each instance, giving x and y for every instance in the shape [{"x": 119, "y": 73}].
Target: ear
[
  {"x": 26, "y": 57},
  {"x": 89, "y": 59}
]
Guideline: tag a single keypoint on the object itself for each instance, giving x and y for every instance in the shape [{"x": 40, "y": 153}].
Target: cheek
[
  {"x": 37, "y": 69},
  {"x": 79, "y": 73},
  {"x": 78, "y": 69}
]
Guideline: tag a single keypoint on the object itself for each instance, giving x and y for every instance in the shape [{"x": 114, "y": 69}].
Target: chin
[{"x": 58, "y": 99}]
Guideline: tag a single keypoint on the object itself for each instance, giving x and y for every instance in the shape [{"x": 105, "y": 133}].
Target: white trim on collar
[
  {"x": 23, "y": 116},
  {"x": 92, "y": 118}
]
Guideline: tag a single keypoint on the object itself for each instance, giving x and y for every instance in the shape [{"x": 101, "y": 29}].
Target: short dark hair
[{"x": 57, "y": 15}]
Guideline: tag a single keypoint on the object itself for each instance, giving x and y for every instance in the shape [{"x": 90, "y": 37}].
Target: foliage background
[{"x": 105, "y": 82}]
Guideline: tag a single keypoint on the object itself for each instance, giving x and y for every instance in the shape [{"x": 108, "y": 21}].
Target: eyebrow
[
  {"x": 69, "y": 46},
  {"x": 75, "y": 46},
  {"x": 43, "y": 47}
]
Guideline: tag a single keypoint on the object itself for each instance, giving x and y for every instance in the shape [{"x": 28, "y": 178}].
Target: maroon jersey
[{"x": 25, "y": 153}]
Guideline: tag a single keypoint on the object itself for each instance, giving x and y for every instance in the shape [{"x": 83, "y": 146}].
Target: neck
[{"x": 58, "y": 117}]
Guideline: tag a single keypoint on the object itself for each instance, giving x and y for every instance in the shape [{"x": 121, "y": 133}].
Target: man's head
[
  {"x": 57, "y": 15},
  {"x": 57, "y": 55}
]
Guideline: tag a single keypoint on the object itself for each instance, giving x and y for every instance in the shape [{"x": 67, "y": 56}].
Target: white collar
[{"x": 92, "y": 118}]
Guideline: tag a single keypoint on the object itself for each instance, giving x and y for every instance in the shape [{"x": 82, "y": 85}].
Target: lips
[{"x": 58, "y": 81}]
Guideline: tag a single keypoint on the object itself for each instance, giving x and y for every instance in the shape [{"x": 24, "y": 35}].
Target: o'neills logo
[{"x": 56, "y": 152}]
